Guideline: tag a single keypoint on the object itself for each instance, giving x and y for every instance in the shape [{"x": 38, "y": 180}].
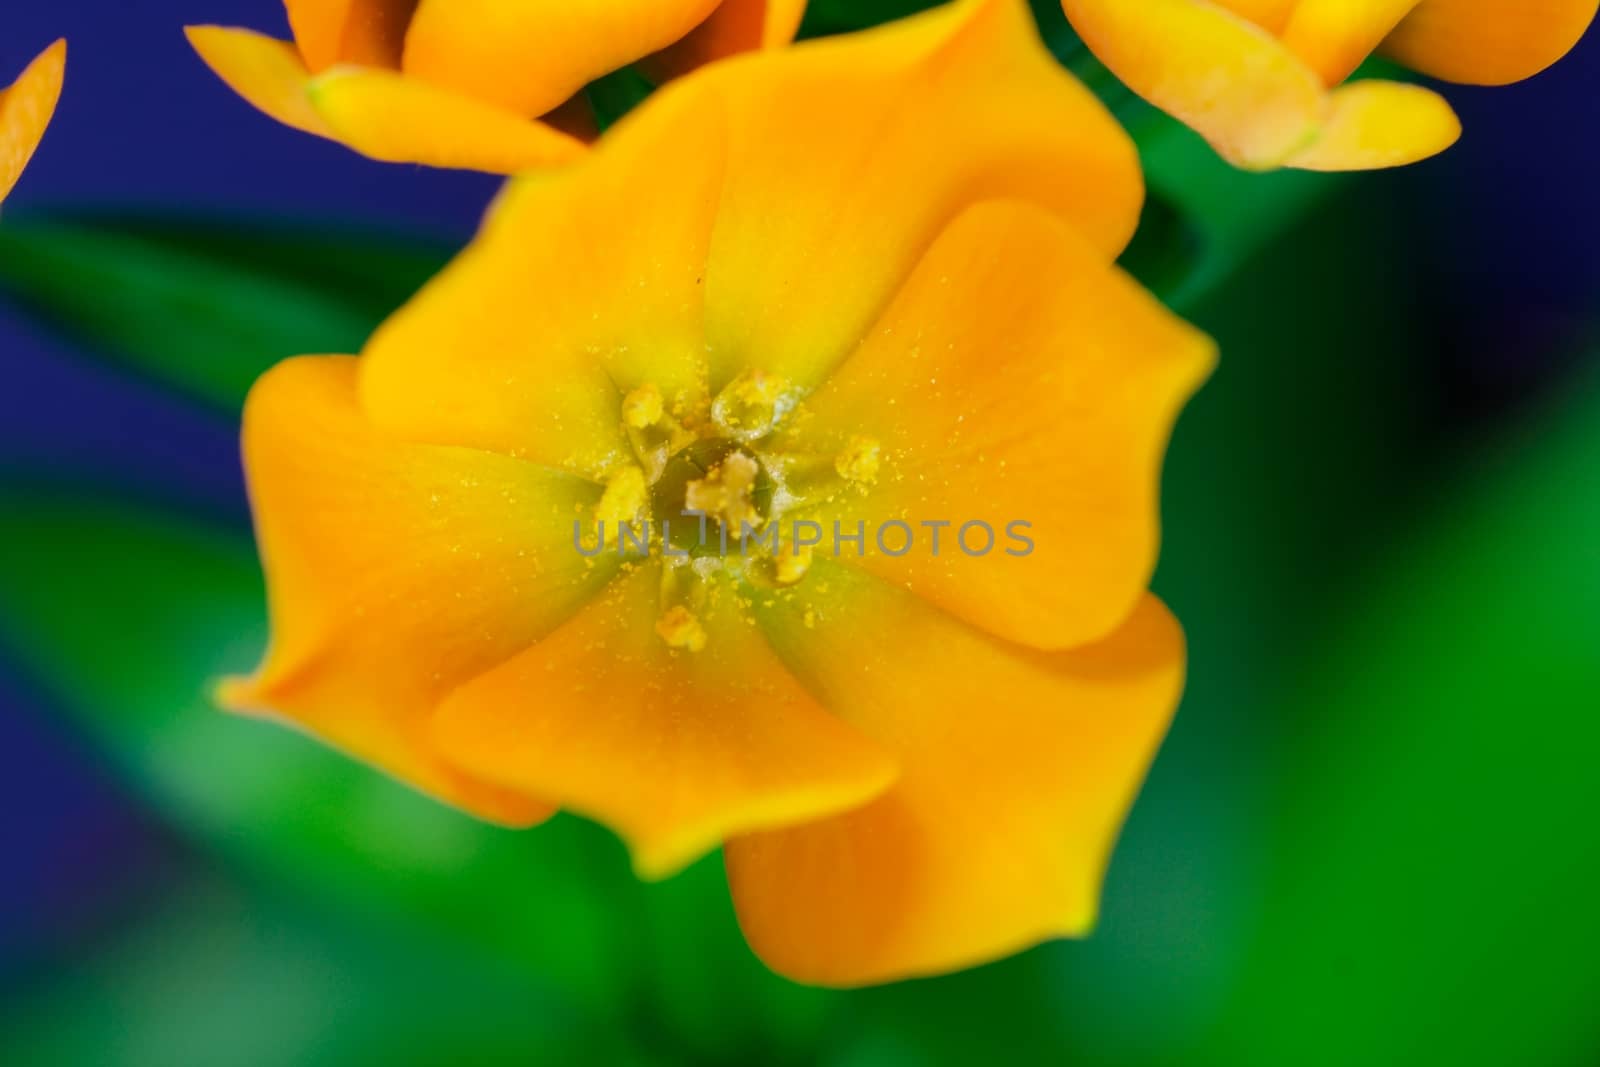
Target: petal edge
[{"x": 1017, "y": 770}]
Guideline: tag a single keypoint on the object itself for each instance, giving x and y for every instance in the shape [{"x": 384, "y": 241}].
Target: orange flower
[
  {"x": 1262, "y": 80},
  {"x": 775, "y": 295},
  {"x": 466, "y": 83},
  {"x": 25, "y": 111}
]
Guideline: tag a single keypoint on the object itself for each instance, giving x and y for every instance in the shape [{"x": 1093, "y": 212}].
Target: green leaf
[
  {"x": 1430, "y": 895},
  {"x": 1285, "y": 473},
  {"x": 207, "y": 307},
  {"x": 827, "y": 17},
  {"x": 710, "y": 992},
  {"x": 612, "y": 96},
  {"x": 127, "y": 617},
  {"x": 1204, "y": 218},
  {"x": 223, "y": 973}
]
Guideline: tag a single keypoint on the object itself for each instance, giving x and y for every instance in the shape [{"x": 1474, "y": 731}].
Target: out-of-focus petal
[
  {"x": 847, "y": 156},
  {"x": 1489, "y": 42},
  {"x": 396, "y": 572},
  {"x": 1270, "y": 15},
  {"x": 1334, "y": 37},
  {"x": 1017, "y": 378},
  {"x": 25, "y": 111},
  {"x": 674, "y": 749},
  {"x": 1017, "y": 769},
  {"x": 267, "y": 72},
  {"x": 581, "y": 286},
  {"x": 399, "y": 119},
  {"x": 1226, "y": 77},
  {"x": 529, "y": 55},
  {"x": 1376, "y": 124},
  {"x": 365, "y": 32},
  {"x": 377, "y": 112},
  {"x": 735, "y": 26}
]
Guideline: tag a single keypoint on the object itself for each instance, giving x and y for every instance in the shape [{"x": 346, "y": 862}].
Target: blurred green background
[{"x": 1370, "y": 839}]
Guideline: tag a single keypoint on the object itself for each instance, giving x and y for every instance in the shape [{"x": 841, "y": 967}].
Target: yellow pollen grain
[
  {"x": 625, "y": 496},
  {"x": 643, "y": 407},
  {"x": 680, "y": 629},
  {"x": 789, "y": 567},
  {"x": 727, "y": 493},
  {"x": 860, "y": 460}
]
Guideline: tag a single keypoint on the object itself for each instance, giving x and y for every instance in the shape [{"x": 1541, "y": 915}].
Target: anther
[
  {"x": 680, "y": 629},
  {"x": 727, "y": 493},
  {"x": 643, "y": 407},
  {"x": 859, "y": 461},
  {"x": 751, "y": 405},
  {"x": 788, "y": 567},
  {"x": 625, "y": 496}
]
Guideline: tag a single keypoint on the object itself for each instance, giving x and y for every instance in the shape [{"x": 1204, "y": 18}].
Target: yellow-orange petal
[
  {"x": 773, "y": 240},
  {"x": 848, "y": 155},
  {"x": 1334, "y": 37},
  {"x": 1229, "y": 79},
  {"x": 377, "y": 112},
  {"x": 1489, "y": 42},
  {"x": 674, "y": 748},
  {"x": 25, "y": 111},
  {"x": 735, "y": 26},
  {"x": 268, "y": 73},
  {"x": 1374, "y": 124},
  {"x": 364, "y": 32},
  {"x": 1018, "y": 378},
  {"x": 395, "y": 572},
  {"x": 399, "y": 119},
  {"x": 527, "y": 56},
  {"x": 1017, "y": 769},
  {"x": 581, "y": 287},
  {"x": 1270, "y": 15}
]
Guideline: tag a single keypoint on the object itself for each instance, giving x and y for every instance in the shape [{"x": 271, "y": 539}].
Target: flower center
[
  {"x": 712, "y": 493},
  {"x": 727, "y": 493},
  {"x": 714, "y": 481}
]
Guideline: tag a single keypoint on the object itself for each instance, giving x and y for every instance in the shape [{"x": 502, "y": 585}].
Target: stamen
[
  {"x": 625, "y": 497},
  {"x": 751, "y": 405},
  {"x": 789, "y": 566},
  {"x": 859, "y": 461},
  {"x": 643, "y": 407},
  {"x": 680, "y": 629},
  {"x": 655, "y": 433},
  {"x": 726, "y": 493}
]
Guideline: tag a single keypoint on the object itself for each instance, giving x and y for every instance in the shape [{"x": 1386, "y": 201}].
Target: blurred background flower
[
  {"x": 1265, "y": 80},
  {"x": 1369, "y": 838},
  {"x": 26, "y": 106},
  {"x": 457, "y": 83}
]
